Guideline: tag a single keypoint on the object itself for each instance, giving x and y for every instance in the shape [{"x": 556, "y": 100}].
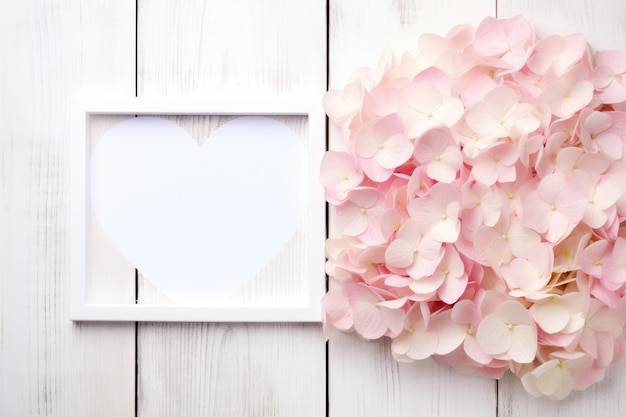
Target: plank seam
[
  {"x": 327, "y": 382},
  {"x": 136, "y": 271}
]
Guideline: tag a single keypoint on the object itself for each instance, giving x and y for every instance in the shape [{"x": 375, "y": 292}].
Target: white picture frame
[{"x": 84, "y": 309}]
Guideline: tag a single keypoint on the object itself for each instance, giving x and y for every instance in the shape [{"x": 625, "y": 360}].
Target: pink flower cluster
[{"x": 478, "y": 191}]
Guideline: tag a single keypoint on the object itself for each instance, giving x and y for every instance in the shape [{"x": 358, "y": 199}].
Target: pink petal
[
  {"x": 493, "y": 335},
  {"x": 524, "y": 276},
  {"x": 552, "y": 317},
  {"x": 427, "y": 284},
  {"x": 374, "y": 170},
  {"x": 474, "y": 351},
  {"x": 611, "y": 145},
  {"x": 361, "y": 293},
  {"x": 581, "y": 94},
  {"x": 423, "y": 345},
  {"x": 350, "y": 221},
  {"x": 368, "y": 321},
  {"x": 559, "y": 226},
  {"x": 450, "y": 111},
  {"x": 401, "y": 343},
  {"x": 337, "y": 309},
  {"x": 392, "y": 317},
  {"x": 399, "y": 254},
  {"x": 464, "y": 311},
  {"x": 341, "y": 106},
  {"x": 450, "y": 334},
  {"x": 554, "y": 384},
  {"x": 441, "y": 172},
  {"x": 523, "y": 344},
  {"x": 397, "y": 150},
  {"x": 452, "y": 288}
]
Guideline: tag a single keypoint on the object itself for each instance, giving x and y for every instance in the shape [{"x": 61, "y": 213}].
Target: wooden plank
[
  {"x": 230, "y": 370},
  {"x": 219, "y": 49},
  {"x": 49, "y": 365},
  {"x": 602, "y": 23},
  {"x": 362, "y": 375}
]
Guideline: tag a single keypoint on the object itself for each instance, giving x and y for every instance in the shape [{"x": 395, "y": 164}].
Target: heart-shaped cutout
[{"x": 199, "y": 221}]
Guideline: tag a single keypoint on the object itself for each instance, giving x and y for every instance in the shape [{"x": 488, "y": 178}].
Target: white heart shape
[{"x": 199, "y": 221}]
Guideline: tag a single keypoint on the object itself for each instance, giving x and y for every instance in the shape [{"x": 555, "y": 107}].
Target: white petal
[
  {"x": 523, "y": 344},
  {"x": 551, "y": 316},
  {"x": 493, "y": 335}
]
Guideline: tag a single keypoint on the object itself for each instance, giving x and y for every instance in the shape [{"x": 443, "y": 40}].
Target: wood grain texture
[
  {"x": 239, "y": 48},
  {"x": 231, "y": 49},
  {"x": 263, "y": 370},
  {"x": 49, "y": 366},
  {"x": 364, "y": 379},
  {"x": 360, "y": 30},
  {"x": 51, "y": 51},
  {"x": 602, "y": 23}
]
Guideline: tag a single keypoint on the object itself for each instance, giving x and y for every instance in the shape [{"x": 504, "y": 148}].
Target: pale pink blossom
[
  {"x": 506, "y": 43},
  {"x": 496, "y": 164},
  {"x": 447, "y": 53},
  {"x": 466, "y": 312},
  {"x": 557, "y": 54},
  {"x": 555, "y": 313},
  {"x": 569, "y": 93},
  {"x": 603, "y": 132},
  {"x": 555, "y": 208},
  {"x": 427, "y": 103},
  {"x": 501, "y": 114},
  {"x": 339, "y": 174},
  {"x": 614, "y": 270},
  {"x": 529, "y": 146},
  {"x": 609, "y": 76},
  {"x": 426, "y": 334},
  {"x": 566, "y": 253},
  {"x": 342, "y": 106},
  {"x": 360, "y": 215},
  {"x": 477, "y": 201},
  {"x": 448, "y": 280},
  {"x": 571, "y": 160},
  {"x": 593, "y": 257},
  {"x": 508, "y": 333},
  {"x": 337, "y": 311},
  {"x": 533, "y": 271},
  {"x": 481, "y": 206},
  {"x": 597, "y": 336},
  {"x": 372, "y": 315},
  {"x": 471, "y": 141},
  {"x": 556, "y": 378},
  {"x": 382, "y": 146},
  {"x": 498, "y": 244},
  {"x": 436, "y": 150},
  {"x": 546, "y": 163},
  {"x": 438, "y": 215},
  {"x": 601, "y": 193},
  {"x": 418, "y": 255}
]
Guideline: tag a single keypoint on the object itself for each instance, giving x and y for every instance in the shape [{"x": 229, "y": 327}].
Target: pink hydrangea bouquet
[{"x": 477, "y": 192}]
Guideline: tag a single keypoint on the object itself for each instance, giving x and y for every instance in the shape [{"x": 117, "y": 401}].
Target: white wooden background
[{"x": 52, "y": 50}]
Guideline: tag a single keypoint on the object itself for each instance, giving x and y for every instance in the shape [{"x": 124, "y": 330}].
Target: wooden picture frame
[{"x": 84, "y": 308}]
